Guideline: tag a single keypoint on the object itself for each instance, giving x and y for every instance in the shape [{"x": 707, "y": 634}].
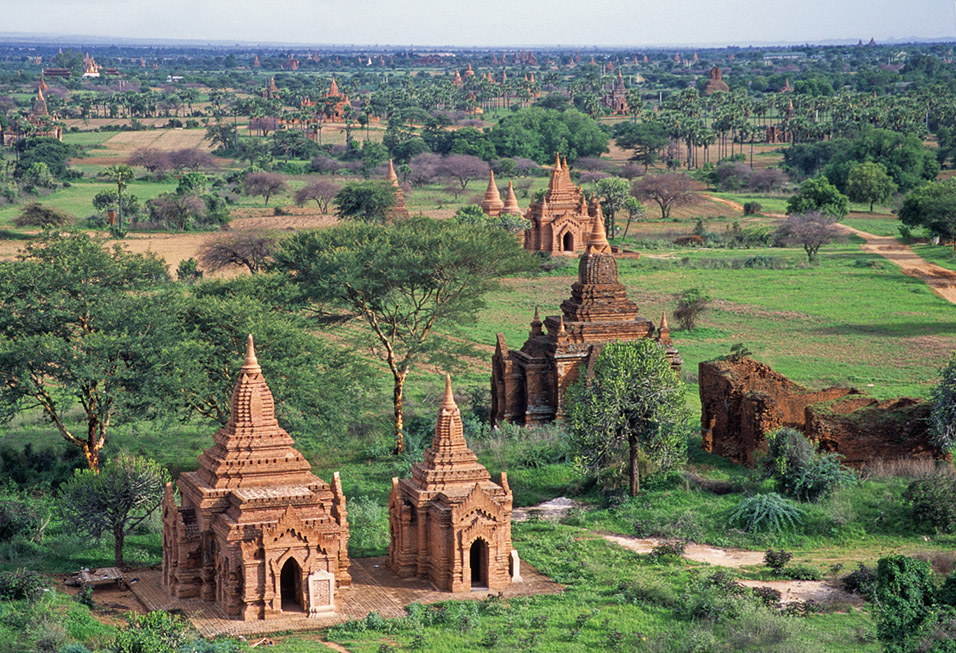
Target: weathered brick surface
[
  {"x": 252, "y": 515},
  {"x": 449, "y": 523},
  {"x": 528, "y": 386}
]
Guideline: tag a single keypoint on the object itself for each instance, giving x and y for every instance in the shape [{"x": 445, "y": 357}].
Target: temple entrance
[
  {"x": 290, "y": 586},
  {"x": 567, "y": 242},
  {"x": 478, "y": 562}
]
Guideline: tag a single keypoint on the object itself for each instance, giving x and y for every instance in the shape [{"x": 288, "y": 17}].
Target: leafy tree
[
  {"x": 405, "y": 280},
  {"x": 321, "y": 191},
  {"x": 810, "y": 230},
  {"x": 667, "y": 190},
  {"x": 319, "y": 387},
  {"x": 191, "y": 158},
  {"x": 265, "y": 184},
  {"x": 251, "y": 248},
  {"x": 192, "y": 183},
  {"x": 819, "y": 195},
  {"x": 76, "y": 328},
  {"x": 539, "y": 133},
  {"x": 613, "y": 193},
  {"x": 367, "y": 201},
  {"x": 114, "y": 500},
  {"x": 37, "y": 215},
  {"x": 38, "y": 175},
  {"x": 645, "y": 140},
  {"x": 868, "y": 182},
  {"x": 932, "y": 206},
  {"x": 55, "y": 154},
  {"x": 943, "y": 416},
  {"x": 632, "y": 397}
]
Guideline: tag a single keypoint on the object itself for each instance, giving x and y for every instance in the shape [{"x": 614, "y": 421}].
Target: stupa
[
  {"x": 256, "y": 532},
  {"x": 450, "y": 523}
]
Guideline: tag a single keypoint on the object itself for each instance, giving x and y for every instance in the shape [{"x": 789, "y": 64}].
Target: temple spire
[
  {"x": 597, "y": 243},
  {"x": 448, "y": 401},
  {"x": 251, "y": 363},
  {"x": 390, "y": 175},
  {"x": 511, "y": 201}
]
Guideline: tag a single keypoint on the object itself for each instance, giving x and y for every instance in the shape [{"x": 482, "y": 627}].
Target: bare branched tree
[{"x": 251, "y": 248}]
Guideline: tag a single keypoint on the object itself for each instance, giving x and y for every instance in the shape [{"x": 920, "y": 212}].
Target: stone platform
[{"x": 374, "y": 588}]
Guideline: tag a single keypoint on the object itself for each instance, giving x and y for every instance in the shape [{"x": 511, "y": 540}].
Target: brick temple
[
  {"x": 450, "y": 524},
  {"x": 561, "y": 220},
  {"x": 256, "y": 533},
  {"x": 616, "y": 100},
  {"x": 528, "y": 385}
]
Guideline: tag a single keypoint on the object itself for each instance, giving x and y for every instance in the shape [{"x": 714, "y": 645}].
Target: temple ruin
[
  {"x": 716, "y": 82},
  {"x": 616, "y": 99},
  {"x": 256, "y": 532},
  {"x": 450, "y": 523},
  {"x": 528, "y": 385},
  {"x": 743, "y": 400},
  {"x": 399, "y": 211}
]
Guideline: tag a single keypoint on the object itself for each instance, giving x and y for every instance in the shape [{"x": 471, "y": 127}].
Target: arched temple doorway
[
  {"x": 478, "y": 562},
  {"x": 290, "y": 586},
  {"x": 567, "y": 242}
]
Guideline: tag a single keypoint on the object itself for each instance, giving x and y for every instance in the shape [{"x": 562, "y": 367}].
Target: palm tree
[{"x": 122, "y": 175}]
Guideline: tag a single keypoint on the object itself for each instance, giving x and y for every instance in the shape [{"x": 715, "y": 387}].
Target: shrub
[
  {"x": 902, "y": 597},
  {"x": 932, "y": 501},
  {"x": 777, "y": 560},
  {"x": 188, "y": 271},
  {"x": 802, "y": 572},
  {"x": 862, "y": 581},
  {"x": 943, "y": 416},
  {"x": 798, "y": 469},
  {"x": 18, "y": 517},
  {"x": 368, "y": 526},
  {"x": 690, "y": 305},
  {"x": 752, "y": 208},
  {"x": 769, "y": 512},
  {"x": 37, "y": 215},
  {"x": 768, "y": 596},
  {"x": 669, "y": 550},
  {"x": 22, "y": 584}
]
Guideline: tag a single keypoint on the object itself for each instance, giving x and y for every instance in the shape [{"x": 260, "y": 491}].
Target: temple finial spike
[
  {"x": 449, "y": 398},
  {"x": 251, "y": 360}
]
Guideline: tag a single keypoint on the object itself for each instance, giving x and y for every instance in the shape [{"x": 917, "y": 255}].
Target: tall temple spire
[
  {"x": 492, "y": 203},
  {"x": 390, "y": 176}
]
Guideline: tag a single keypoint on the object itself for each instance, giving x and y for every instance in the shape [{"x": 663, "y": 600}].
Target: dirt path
[
  {"x": 941, "y": 280},
  {"x": 791, "y": 591}
]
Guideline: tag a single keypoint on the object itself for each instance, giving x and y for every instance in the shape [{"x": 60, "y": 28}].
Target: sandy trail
[{"x": 941, "y": 280}]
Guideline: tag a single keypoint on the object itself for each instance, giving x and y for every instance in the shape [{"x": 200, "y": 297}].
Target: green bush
[
  {"x": 862, "y": 581},
  {"x": 368, "y": 527},
  {"x": 777, "y": 560},
  {"x": 799, "y": 469},
  {"x": 22, "y": 584},
  {"x": 903, "y": 597},
  {"x": 932, "y": 501},
  {"x": 752, "y": 208},
  {"x": 770, "y": 512}
]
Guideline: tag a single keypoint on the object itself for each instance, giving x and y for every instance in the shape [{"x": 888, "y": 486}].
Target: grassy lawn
[{"x": 77, "y": 199}]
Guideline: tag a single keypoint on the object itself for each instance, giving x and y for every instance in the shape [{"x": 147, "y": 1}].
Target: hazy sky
[{"x": 488, "y": 22}]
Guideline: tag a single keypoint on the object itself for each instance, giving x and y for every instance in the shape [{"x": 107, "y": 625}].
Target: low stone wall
[{"x": 743, "y": 400}]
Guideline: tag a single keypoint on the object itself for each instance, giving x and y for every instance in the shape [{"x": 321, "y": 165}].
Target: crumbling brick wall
[
  {"x": 743, "y": 400},
  {"x": 864, "y": 430}
]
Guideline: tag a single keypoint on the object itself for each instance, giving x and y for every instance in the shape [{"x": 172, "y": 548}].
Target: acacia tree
[
  {"x": 810, "y": 230},
  {"x": 613, "y": 193},
  {"x": 404, "y": 280},
  {"x": 631, "y": 398},
  {"x": 251, "y": 248},
  {"x": 77, "y": 328},
  {"x": 113, "y": 501},
  {"x": 263, "y": 183},
  {"x": 667, "y": 190},
  {"x": 321, "y": 191}
]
